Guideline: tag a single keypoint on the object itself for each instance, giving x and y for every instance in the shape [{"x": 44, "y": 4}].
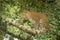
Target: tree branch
[
  {"x": 17, "y": 36},
  {"x": 21, "y": 27}
]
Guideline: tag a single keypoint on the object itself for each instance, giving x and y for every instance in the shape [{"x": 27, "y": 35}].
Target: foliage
[{"x": 12, "y": 9}]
